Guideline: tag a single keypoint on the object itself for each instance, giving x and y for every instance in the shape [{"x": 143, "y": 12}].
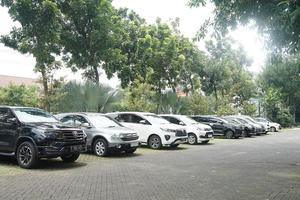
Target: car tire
[
  {"x": 192, "y": 139},
  {"x": 27, "y": 155},
  {"x": 154, "y": 142},
  {"x": 70, "y": 158},
  {"x": 205, "y": 142},
  {"x": 100, "y": 147},
  {"x": 229, "y": 134},
  {"x": 272, "y": 129},
  {"x": 130, "y": 151}
]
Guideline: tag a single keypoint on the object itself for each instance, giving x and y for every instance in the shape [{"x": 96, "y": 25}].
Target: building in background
[{"x": 7, "y": 80}]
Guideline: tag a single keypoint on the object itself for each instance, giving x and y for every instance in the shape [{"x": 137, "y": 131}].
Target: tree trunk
[
  {"x": 45, "y": 89},
  {"x": 97, "y": 76}
]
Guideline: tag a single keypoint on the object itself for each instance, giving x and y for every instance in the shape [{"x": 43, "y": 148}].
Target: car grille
[
  {"x": 209, "y": 134},
  {"x": 129, "y": 137},
  {"x": 72, "y": 135},
  {"x": 180, "y": 133}
]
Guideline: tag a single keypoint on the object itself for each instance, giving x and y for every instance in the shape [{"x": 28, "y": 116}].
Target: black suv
[
  {"x": 220, "y": 126},
  {"x": 30, "y": 134}
]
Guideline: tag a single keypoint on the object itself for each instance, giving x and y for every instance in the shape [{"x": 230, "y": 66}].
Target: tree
[
  {"x": 89, "y": 36},
  {"x": 19, "y": 95},
  {"x": 38, "y": 35},
  {"x": 140, "y": 96},
  {"x": 282, "y": 74},
  {"x": 280, "y": 19}
]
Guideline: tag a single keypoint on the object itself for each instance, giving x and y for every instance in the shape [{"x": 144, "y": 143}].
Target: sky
[{"x": 16, "y": 64}]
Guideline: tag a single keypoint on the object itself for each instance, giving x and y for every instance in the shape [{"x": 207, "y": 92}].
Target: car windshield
[
  {"x": 250, "y": 119},
  {"x": 32, "y": 115},
  {"x": 187, "y": 120},
  {"x": 220, "y": 119},
  {"x": 101, "y": 121},
  {"x": 154, "y": 119}
]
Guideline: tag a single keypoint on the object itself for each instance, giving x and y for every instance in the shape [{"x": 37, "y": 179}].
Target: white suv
[
  {"x": 197, "y": 132},
  {"x": 153, "y": 130},
  {"x": 272, "y": 126}
]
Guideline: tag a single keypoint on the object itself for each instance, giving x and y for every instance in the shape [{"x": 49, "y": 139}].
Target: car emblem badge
[{"x": 75, "y": 133}]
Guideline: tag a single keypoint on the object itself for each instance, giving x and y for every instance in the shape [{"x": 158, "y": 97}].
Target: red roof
[{"x": 6, "y": 80}]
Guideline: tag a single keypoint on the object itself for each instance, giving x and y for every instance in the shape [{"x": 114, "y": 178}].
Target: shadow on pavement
[{"x": 43, "y": 164}]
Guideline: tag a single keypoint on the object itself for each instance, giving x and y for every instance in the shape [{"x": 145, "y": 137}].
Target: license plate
[
  {"x": 76, "y": 148},
  {"x": 134, "y": 144}
]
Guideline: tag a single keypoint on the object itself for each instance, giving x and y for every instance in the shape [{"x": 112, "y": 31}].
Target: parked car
[
  {"x": 273, "y": 127},
  {"x": 249, "y": 130},
  {"x": 104, "y": 134},
  {"x": 153, "y": 130},
  {"x": 197, "y": 132},
  {"x": 220, "y": 126},
  {"x": 259, "y": 129},
  {"x": 31, "y": 133},
  {"x": 264, "y": 126}
]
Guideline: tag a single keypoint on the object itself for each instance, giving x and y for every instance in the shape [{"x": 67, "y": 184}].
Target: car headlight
[
  {"x": 200, "y": 129},
  {"x": 168, "y": 130},
  {"x": 117, "y": 136}
]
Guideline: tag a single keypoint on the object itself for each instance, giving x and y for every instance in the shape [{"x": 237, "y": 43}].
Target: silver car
[{"x": 104, "y": 134}]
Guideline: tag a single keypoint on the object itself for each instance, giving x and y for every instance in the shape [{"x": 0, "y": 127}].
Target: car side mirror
[
  {"x": 143, "y": 122},
  {"x": 181, "y": 123},
  {"x": 86, "y": 125}
]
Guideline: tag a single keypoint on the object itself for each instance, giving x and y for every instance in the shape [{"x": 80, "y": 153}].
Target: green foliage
[
  {"x": 171, "y": 103},
  {"x": 38, "y": 35},
  {"x": 248, "y": 108},
  {"x": 197, "y": 105},
  {"x": 86, "y": 97},
  {"x": 19, "y": 95},
  {"x": 138, "y": 97},
  {"x": 278, "y": 18},
  {"x": 89, "y": 35},
  {"x": 275, "y": 108}
]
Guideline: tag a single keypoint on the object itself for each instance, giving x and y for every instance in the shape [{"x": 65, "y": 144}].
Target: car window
[
  {"x": 202, "y": 119},
  {"x": 123, "y": 118},
  {"x": 68, "y": 120},
  {"x": 136, "y": 119},
  {"x": 79, "y": 120},
  {"x": 5, "y": 115},
  {"x": 173, "y": 120}
]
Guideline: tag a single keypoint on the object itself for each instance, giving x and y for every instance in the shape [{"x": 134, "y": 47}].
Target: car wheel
[
  {"x": 101, "y": 147},
  {"x": 273, "y": 129},
  {"x": 70, "y": 158},
  {"x": 155, "y": 142},
  {"x": 229, "y": 134},
  {"x": 130, "y": 151},
  {"x": 205, "y": 142},
  {"x": 192, "y": 138},
  {"x": 27, "y": 155}
]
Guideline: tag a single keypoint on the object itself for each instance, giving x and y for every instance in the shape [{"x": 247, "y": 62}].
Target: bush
[{"x": 19, "y": 95}]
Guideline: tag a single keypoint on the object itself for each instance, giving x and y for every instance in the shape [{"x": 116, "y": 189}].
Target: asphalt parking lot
[{"x": 260, "y": 168}]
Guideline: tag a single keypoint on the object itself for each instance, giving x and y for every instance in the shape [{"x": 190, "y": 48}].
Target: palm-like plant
[{"x": 87, "y": 97}]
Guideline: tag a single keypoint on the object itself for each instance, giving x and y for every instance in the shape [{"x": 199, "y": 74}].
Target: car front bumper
[{"x": 52, "y": 151}]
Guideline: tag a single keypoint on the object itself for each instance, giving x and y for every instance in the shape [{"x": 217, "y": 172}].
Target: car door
[
  {"x": 133, "y": 121},
  {"x": 8, "y": 130},
  {"x": 216, "y": 126}
]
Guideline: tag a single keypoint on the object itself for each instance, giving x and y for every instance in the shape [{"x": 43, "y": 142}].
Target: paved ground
[{"x": 261, "y": 168}]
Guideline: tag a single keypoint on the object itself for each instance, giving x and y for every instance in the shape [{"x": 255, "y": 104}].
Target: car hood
[
  {"x": 49, "y": 125},
  {"x": 119, "y": 129},
  {"x": 202, "y": 126},
  {"x": 171, "y": 126}
]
